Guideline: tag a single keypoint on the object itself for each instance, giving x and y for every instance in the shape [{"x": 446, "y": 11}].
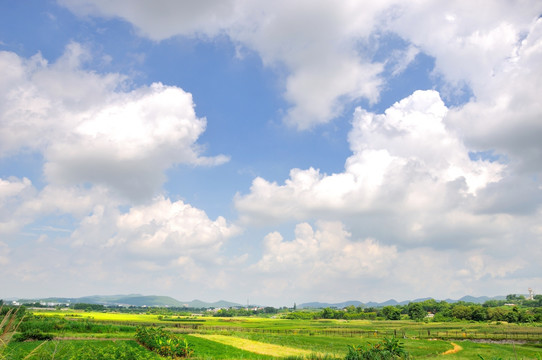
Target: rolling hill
[{"x": 133, "y": 300}]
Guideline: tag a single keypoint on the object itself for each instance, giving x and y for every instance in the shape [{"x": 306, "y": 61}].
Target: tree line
[{"x": 515, "y": 309}]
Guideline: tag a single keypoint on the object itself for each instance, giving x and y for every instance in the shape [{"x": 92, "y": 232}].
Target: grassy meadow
[{"x": 107, "y": 335}]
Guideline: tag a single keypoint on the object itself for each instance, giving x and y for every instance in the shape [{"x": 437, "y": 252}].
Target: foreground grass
[
  {"x": 211, "y": 350},
  {"x": 337, "y": 346},
  {"x": 471, "y": 350},
  {"x": 226, "y": 347},
  {"x": 257, "y": 347},
  {"x": 77, "y": 350},
  {"x": 419, "y": 349}
]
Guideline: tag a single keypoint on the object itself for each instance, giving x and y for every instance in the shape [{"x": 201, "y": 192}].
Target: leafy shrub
[
  {"x": 32, "y": 334},
  {"x": 163, "y": 342},
  {"x": 300, "y": 315},
  {"x": 388, "y": 349}
]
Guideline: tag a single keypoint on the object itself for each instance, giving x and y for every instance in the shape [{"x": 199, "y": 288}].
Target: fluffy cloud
[
  {"x": 432, "y": 197},
  {"x": 327, "y": 48},
  {"x": 448, "y": 218},
  {"x": 128, "y": 144},
  {"x": 470, "y": 41},
  {"x": 163, "y": 18},
  {"x": 104, "y": 147},
  {"x": 39, "y": 100},
  {"x": 174, "y": 231},
  {"x": 169, "y": 244},
  {"x": 21, "y": 204},
  {"x": 326, "y": 252},
  {"x": 494, "y": 50},
  {"x": 330, "y": 257},
  {"x": 74, "y": 200},
  {"x": 13, "y": 187},
  {"x": 157, "y": 236},
  {"x": 92, "y": 131},
  {"x": 325, "y": 257},
  {"x": 507, "y": 101},
  {"x": 403, "y": 161},
  {"x": 449, "y": 273},
  {"x": 325, "y": 68},
  {"x": 13, "y": 191}
]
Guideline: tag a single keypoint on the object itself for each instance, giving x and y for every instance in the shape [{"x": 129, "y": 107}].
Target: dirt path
[{"x": 456, "y": 349}]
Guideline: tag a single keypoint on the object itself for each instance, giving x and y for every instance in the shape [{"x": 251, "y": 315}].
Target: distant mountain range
[
  {"x": 133, "y": 300},
  {"x": 163, "y": 301},
  {"x": 392, "y": 302}
]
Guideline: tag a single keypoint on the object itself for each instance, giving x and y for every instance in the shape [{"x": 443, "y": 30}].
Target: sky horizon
[
  {"x": 399, "y": 301},
  {"x": 277, "y": 151}
]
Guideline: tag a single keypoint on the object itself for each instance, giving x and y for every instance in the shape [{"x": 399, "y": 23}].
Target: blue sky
[{"x": 282, "y": 152}]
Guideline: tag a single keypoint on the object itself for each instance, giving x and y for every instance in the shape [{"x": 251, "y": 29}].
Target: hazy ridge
[
  {"x": 162, "y": 301},
  {"x": 134, "y": 300},
  {"x": 467, "y": 298}
]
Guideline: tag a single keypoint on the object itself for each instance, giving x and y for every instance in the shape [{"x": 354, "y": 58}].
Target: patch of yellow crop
[
  {"x": 255, "y": 346},
  {"x": 103, "y": 316}
]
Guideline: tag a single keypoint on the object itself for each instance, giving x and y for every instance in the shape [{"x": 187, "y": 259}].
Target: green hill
[{"x": 133, "y": 300}]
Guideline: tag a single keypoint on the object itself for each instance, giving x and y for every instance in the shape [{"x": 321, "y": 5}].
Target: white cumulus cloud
[
  {"x": 13, "y": 192},
  {"x": 329, "y": 257},
  {"x": 90, "y": 130},
  {"x": 12, "y": 187},
  {"x": 316, "y": 42},
  {"x": 327, "y": 48},
  {"x": 171, "y": 230},
  {"x": 403, "y": 161},
  {"x": 325, "y": 252},
  {"x": 470, "y": 41},
  {"x": 505, "y": 115}
]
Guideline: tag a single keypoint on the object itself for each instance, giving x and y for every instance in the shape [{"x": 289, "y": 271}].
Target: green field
[
  {"x": 101, "y": 334},
  {"x": 77, "y": 350}
]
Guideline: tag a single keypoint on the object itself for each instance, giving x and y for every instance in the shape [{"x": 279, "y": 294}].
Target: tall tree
[{"x": 416, "y": 311}]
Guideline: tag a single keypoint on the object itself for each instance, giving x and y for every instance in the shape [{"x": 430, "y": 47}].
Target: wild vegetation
[
  {"x": 78, "y": 350},
  {"x": 515, "y": 309},
  {"x": 388, "y": 349},
  {"x": 391, "y": 332},
  {"x": 10, "y": 319},
  {"x": 163, "y": 342}
]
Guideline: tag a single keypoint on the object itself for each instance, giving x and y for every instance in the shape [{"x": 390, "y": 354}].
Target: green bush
[
  {"x": 32, "y": 334},
  {"x": 300, "y": 315},
  {"x": 163, "y": 342},
  {"x": 388, "y": 349}
]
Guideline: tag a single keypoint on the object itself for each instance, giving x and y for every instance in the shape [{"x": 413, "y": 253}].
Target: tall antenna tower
[{"x": 531, "y": 294}]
